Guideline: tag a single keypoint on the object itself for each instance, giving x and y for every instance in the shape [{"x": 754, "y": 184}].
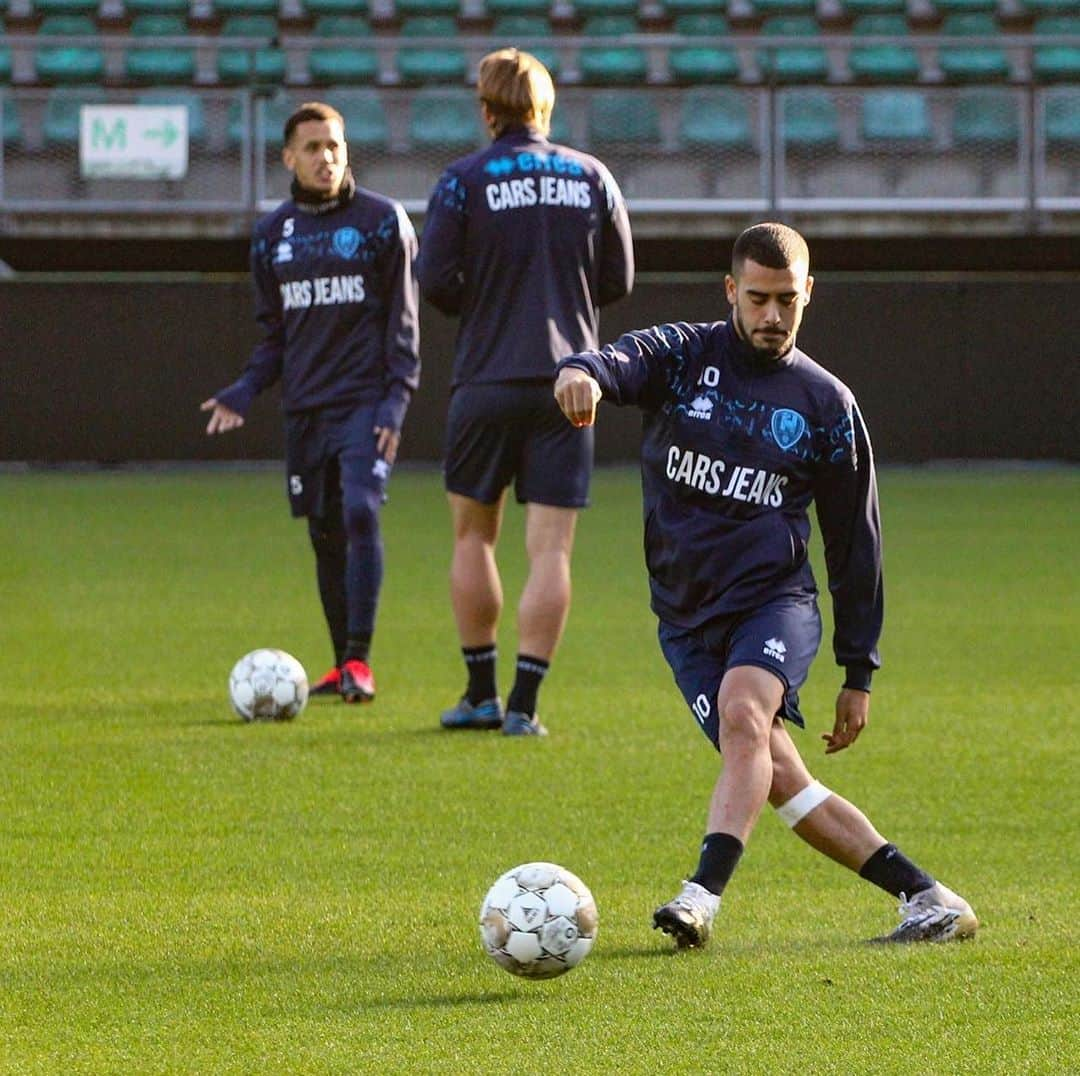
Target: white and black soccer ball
[
  {"x": 538, "y": 921},
  {"x": 268, "y": 685}
]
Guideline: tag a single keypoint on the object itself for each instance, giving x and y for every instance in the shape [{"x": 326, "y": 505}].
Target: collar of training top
[
  {"x": 313, "y": 202},
  {"x": 746, "y": 357},
  {"x": 518, "y": 130}
]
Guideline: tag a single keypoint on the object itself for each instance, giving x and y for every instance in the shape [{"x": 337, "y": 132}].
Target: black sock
[
  {"x": 889, "y": 869},
  {"x": 330, "y": 549},
  {"x": 720, "y": 855},
  {"x": 357, "y": 648},
  {"x": 530, "y": 671},
  {"x": 480, "y": 663}
]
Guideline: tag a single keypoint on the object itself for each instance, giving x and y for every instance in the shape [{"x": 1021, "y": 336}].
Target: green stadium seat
[
  {"x": 69, "y": 64},
  {"x": 612, "y": 65},
  {"x": 560, "y": 127},
  {"x": 793, "y": 63},
  {"x": 407, "y": 9},
  {"x": 499, "y": 8},
  {"x": 695, "y": 7},
  {"x": 1049, "y": 7},
  {"x": 268, "y": 115},
  {"x": 883, "y": 62},
  {"x": 855, "y": 8},
  {"x": 768, "y": 9},
  {"x": 5, "y": 64},
  {"x": 319, "y": 8},
  {"x": 60, "y": 124},
  {"x": 45, "y": 8},
  {"x": 157, "y": 63},
  {"x": 365, "y": 118},
  {"x": 625, "y": 117},
  {"x": 810, "y": 120},
  {"x": 431, "y": 63},
  {"x": 949, "y": 7},
  {"x": 901, "y": 117},
  {"x": 225, "y": 8},
  {"x": 343, "y": 62},
  {"x": 514, "y": 30},
  {"x": 972, "y": 63},
  {"x": 591, "y": 9},
  {"x": 12, "y": 126},
  {"x": 1057, "y": 63},
  {"x": 445, "y": 119},
  {"x": 702, "y": 63},
  {"x": 1063, "y": 117},
  {"x": 134, "y": 8},
  {"x": 197, "y": 129},
  {"x": 244, "y": 65},
  {"x": 715, "y": 119},
  {"x": 986, "y": 117}
]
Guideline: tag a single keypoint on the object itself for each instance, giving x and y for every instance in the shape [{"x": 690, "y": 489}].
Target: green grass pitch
[{"x": 181, "y": 892}]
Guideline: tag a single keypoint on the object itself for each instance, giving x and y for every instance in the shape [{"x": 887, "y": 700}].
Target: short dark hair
[
  {"x": 776, "y": 246},
  {"x": 311, "y": 110}
]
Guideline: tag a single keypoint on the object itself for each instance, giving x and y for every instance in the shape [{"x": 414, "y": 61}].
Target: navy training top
[
  {"x": 526, "y": 240},
  {"x": 734, "y": 449},
  {"x": 337, "y": 300}
]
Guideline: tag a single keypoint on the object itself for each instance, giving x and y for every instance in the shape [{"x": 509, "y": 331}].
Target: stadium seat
[
  {"x": 365, "y": 118},
  {"x": 986, "y": 117},
  {"x": 972, "y": 63},
  {"x": 695, "y": 7},
  {"x": 431, "y": 63},
  {"x": 343, "y": 62},
  {"x": 69, "y": 64},
  {"x": 268, "y": 117},
  {"x": 445, "y": 119},
  {"x": 809, "y": 119},
  {"x": 715, "y": 119},
  {"x": 407, "y": 9},
  {"x": 591, "y": 9},
  {"x": 499, "y": 8},
  {"x": 560, "y": 127},
  {"x": 901, "y": 117},
  {"x": 132, "y": 8},
  {"x": 157, "y": 63},
  {"x": 854, "y": 8},
  {"x": 624, "y": 117},
  {"x": 60, "y": 124},
  {"x": 1049, "y": 7},
  {"x": 793, "y": 63},
  {"x": 949, "y": 7},
  {"x": 225, "y": 8},
  {"x": 515, "y": 30},
  {"x": 197, "y": 129},
  {"x": 612, "y": 65},
  {"x": 768, "y": 9},
  {"x": 12, "y": 126},
  {"x": 1057, "y": 63},
  {"x": 5, "y": 64},
  {"x": 1063, "y": 117},
  {"x": 702, "y": 63},
  {"x": 883, "y": 62},
  {"x": 318, "y": 8},
  {"x": 242, "y": 65},
  {"x": 45, "y": 8}
]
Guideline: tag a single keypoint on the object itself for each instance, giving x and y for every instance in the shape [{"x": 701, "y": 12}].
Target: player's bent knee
[
  {"x": 744, "y": 718},
  {"x": 795, "y": 809}
]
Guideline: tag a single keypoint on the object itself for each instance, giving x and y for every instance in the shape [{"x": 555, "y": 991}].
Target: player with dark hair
[
  {"x": 741, "y": 431},
  {"x": 525, "y": 240},
  {"x": 337, "y": 302}
]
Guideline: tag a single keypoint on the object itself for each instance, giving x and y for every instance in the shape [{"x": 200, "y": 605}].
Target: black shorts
[
  {"x": 782, "y": 636},
  {"x": 330, "y": 453},
  {"x": 514, "y": 431}
]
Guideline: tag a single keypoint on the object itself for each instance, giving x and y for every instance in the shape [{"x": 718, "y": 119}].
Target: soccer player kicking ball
[
  {"x": 741, "y": 431},
  {"x": 337, "y": 302}
]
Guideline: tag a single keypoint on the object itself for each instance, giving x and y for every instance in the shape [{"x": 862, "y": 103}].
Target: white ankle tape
[{"x": 802, "y": 803}]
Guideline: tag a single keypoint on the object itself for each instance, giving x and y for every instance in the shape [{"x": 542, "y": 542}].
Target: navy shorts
[
  {"x": 515, "y": 432},
  {"x": 782, "y": 636},
  {"x": 330, "y": 453}
]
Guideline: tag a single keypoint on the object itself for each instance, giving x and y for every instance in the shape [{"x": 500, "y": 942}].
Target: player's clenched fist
[{"x": 577, "y": 394}]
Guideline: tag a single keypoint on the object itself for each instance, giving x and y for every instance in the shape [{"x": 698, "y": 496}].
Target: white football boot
[
  {"x": 936, "y": 914},
  {"x": 688, "y": 917}
]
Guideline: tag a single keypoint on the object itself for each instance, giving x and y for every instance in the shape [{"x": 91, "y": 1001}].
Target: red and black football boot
[
  {"x": 330, "y": 684},
  {"x": 357, "y": 682}
]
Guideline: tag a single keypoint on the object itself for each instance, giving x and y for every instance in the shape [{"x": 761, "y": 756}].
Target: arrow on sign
[{"x": 167, "y": 132}]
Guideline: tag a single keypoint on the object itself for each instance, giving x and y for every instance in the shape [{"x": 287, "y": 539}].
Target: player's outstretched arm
[
  {"x": 222, "y": 418},
  {"x": 852, "y": 713},
  {"x": 577, "y": 393}
]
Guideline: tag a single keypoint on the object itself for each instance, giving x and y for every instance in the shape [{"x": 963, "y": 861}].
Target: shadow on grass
[{"x": 453, "y": 1001}]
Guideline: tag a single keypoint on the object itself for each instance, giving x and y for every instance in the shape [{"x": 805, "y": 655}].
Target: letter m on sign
[{"x": 104, "y": 136}]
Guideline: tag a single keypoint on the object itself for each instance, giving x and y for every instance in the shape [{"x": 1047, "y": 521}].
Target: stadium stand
[
  {"x": 66, "y": 63},
  {"x": 886, "y": 61},
  {"x": 612, "y": 65},
  {"x": 159, "y": 63},
  {"x": 700, "y": 63},
  {"x": 243, "y": 66},
  {"x": 976, "y": 62},
  {"x": 426, "y": 64},
  {"x": 793, "y": 63},
  {"x": 345, "y": 62},
  {"x": 1060, "y": 62}
]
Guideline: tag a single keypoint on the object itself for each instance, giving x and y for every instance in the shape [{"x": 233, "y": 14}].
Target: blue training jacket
[
  {"x": 733, "y": 451},
  {"x": 337, "y": 300},
  {"x": 526, "y": 240}
]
